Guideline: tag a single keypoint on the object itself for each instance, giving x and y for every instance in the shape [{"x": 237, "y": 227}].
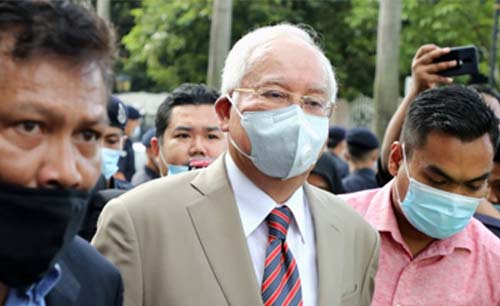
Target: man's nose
[
  {"x": 60, "y": 167},
  {"x": 198, "y": 147}
]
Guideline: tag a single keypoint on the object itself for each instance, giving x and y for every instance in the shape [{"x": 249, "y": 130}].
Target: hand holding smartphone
[{"x": 466, "y": 58}]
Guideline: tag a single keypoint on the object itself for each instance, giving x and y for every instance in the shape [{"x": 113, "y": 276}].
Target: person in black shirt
[{"x": 150, "y": 170}]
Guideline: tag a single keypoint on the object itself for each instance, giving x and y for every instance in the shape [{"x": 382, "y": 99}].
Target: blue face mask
[
  {"x": 172, "y": 169},
  {"x": 285, "y": 142},
  {"x": 109, "y": 165},
  {"x": 176, "y": 169},
  {"x": 434, "y": 212}
]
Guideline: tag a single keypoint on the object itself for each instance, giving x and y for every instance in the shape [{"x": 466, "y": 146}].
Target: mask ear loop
[
  {"x": 407, "y": 173},
  {"x": 234, "y": 105},
  {"x": 162, "y": 159},
  {"x": 233, "y": 143}
]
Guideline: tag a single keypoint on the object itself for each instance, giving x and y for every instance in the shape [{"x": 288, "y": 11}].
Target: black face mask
[{"x": 35, "y": 225}]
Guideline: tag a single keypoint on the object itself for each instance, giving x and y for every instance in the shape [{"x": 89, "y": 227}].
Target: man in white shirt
[{"x": 249, "y": 230}]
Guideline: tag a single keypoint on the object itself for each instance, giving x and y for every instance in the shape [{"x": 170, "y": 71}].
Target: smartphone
[{"x": 466, "y": 58}]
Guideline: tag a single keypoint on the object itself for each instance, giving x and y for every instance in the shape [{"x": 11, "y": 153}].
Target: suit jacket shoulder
[
  {"x": 174, "y": 236},
  {"x": 87, "y": 278},
  {"x": 347, "y": 250}
]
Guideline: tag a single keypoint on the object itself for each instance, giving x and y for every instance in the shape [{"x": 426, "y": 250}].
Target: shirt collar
[
  {"x": 43, "y": 287},
  {"x": 380, "y": 214},
  {"x": 37, "y": 291},
  {"x": 255, "y": 205}
]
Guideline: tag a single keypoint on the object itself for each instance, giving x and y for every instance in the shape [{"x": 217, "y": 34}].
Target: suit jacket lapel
[
  {"x": 218, "y": 225},
  {"x": 329, "y": 241},
  {"x": 66, "y": 291}
]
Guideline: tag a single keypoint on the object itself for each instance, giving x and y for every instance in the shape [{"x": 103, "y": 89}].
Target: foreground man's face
[{"x": 52, "y": 115}]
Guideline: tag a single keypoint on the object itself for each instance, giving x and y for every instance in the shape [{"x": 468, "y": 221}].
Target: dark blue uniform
[
  {"x": 361, "y": 179},
  {"x": 126, "y": 164}
]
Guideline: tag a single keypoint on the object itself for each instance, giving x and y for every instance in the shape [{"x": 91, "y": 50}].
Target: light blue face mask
[
  {"x": 172, "y": 169},
  {"x": 109, "y": 163},
  {"x": 176, "y": 169},
  {"x": 284, "y": 142},
  {"x": 438, "y": 214}
]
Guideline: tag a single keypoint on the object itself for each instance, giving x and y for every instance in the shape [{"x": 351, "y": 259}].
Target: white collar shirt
[{"x": 254, "y": 206}]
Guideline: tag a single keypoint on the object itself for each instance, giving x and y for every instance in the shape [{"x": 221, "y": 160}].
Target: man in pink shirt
[{"x": 433, "y": 253}]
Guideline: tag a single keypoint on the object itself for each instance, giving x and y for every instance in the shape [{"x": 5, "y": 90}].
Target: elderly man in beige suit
[{"x": 248, "y": 230}]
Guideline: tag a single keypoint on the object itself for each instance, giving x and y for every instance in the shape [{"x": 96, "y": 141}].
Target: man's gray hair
[{"x": 242, "y": 55}]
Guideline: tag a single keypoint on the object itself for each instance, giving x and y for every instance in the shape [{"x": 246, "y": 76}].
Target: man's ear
[
  {"x": 223, "y": 110},
  {"x": 347, "y": 156},
  {"x": 155, "y": 145},
  {"x": 395, "y": 158}
]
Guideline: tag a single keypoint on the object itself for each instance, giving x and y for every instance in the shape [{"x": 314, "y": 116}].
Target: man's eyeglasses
[{"x": 316, "y": 105}]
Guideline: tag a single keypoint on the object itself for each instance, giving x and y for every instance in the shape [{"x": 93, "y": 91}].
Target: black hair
[
  {"x": 57, "y": 27},
  {"x": 496, "y": 158},
  {"x": 484, "y": 89},
  {"x": 455, "y": 110},
  {"x": 359, "y": 154},
  {"x": 332, "y": 143},
  {"x": 186, "y": 94}
]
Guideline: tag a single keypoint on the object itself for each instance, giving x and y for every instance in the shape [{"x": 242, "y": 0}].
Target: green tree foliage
[
  {"x": 169, "y": 43},
  {"x": 441, "y": 22}
]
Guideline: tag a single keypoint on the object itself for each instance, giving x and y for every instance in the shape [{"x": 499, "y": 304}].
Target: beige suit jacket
[{"x": 179, "y": 241}]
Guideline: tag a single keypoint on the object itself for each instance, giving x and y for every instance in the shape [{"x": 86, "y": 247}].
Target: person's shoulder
[
  {"x": 166, "y": 192},
  {"x": 338, "y": 207},
  {"x": 360, "y": 200},
  {"x": 87, "y": 263},
  {"x": 485, "y": 240},
  {"x": 87, "y": 278},
  {"x": 352, "y": 182}
]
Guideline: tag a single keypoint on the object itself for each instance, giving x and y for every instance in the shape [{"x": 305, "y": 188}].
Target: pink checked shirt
[{"x": 463, "y": 270}]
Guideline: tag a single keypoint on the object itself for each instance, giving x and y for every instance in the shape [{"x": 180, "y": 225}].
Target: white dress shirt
[{"x": 254, "y": 206}]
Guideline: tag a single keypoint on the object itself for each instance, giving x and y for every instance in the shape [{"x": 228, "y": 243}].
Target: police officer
[
  {"x": 108, "y": 186},
  {"x": 132, "y": 131},
  {"x": 112, "y": 146},
  {"x": 362, "y": 154},
  {"x": 337, "y": 147}
]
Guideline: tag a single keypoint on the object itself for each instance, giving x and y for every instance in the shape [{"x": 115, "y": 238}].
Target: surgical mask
[
  {"x": 35, "y": 226},
  {"x": 176, "y": 169},
  {"x": 172, "y": 169},
  {"x": 109, "y": 164},
  {"x": 285, "y": 142},
  {"x": 434, "y": 212}
]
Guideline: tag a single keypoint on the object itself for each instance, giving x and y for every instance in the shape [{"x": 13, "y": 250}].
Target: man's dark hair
[
  {"x": 484, "y": 89},
  {"x": 454, "y": 110},
  {"x": 186, "y": 94},
  {"x": 359, "y": 154},
  {"x": 56, "y": 27}
]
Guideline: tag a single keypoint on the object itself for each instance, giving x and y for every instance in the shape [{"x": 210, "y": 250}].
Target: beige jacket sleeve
[
  {"x": 368, "y": 285},
  {"x": 116, "y": 239}
]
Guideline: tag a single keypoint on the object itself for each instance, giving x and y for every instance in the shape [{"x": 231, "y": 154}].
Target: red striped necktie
[{"x": 281, "y": 282}]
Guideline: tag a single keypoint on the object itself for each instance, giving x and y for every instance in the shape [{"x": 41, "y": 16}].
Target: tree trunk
[
  {"x": 386, "y": 87},
  {"x": 85, "y": 3},
  {"x": 220, "y": 37},
  {"x": 103, "y": 9}
]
